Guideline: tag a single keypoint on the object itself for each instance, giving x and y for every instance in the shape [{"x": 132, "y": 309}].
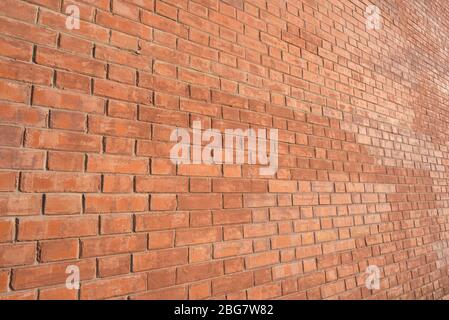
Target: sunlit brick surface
[{"x": 86, "y": 178}]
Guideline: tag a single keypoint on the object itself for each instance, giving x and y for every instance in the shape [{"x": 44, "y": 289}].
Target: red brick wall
[{"x": 85, "y": 175}]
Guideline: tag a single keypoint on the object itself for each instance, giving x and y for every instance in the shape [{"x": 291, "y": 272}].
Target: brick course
[{"x": 85, "y": 175}]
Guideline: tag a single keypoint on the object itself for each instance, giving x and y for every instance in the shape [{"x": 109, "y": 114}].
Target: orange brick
[
  {"x": 55, "y": 250},
  {"x": 87, "y": 123}
]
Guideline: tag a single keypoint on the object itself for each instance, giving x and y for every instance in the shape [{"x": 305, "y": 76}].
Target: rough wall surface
[{"x": 85, "y": 171}]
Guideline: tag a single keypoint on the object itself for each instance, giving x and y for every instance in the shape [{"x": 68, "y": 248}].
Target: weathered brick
[
  {"x": 34, "y": 228},
  {"x": 50, "y": 274},
  {"x": 161, "y": 221},
  {"x": 59, "y": 182},
  {"x": 107, "y": 288},
  {"x": 108, "y": 245},
  {"x": 160, "y": 259},
  {"x": 86, "y": 118},
  {"x": 17, "y": 254},
  {"x": 55, "y": 250}
]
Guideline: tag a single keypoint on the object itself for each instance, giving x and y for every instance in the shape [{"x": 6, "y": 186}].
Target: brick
[
  {"x": 21, "y": 159},
  {"x": 119, "y": 146},
  {"x": 287, "y": 270},
  {"x": 175, "y": 293},
  {"x": 56, "y": 250},
  {"x": 17, "y": 114},
  {"x": 336, "y": 246},
  {"x": 308, "y": 251},
  {"x": 234, "y": 265},
  {"x": 72, "y": 44},
  {"x": 121, "y": 74},
  {"x": 4, "y": 280},
  {"x": 123, "y": 92},
  {"x": 161, "y": 184},
  {"x": 59, "y": 293},
  {"x": 259, "y": 230},
  {"x": 23, "y": 295},
  {"x": 120, "y": 109},
  {"x": 165, "y": 69},
  {"x": 117, "y": 183},
  {"x": 331, "y": 289},
  {"x": 262, "y": 259},
  {"x": 67, "y": 141},
  {"x": 62, "y": 204},
  {"x": 164, "y": 24},
  {"x": 122, "y": 57},
  {"x": 160, "y": 259},
  {"x": 34, "y": 228},
  {"x": 162, "y": 166},
  {"x": 29, "y": 32},
  {"x": 341, "y": 199},
  {"x": 26, "y": 72},
  {"x": 162, "y": 116},
  {"x": 230, "y": 100},
  {"x": 326, "y": 235},
  {"x": 14, "y": 92},
  {"x": 232, "y": 201},
  {"x": 166, "y": 10},
  {"x": 115, "y": 265},
  {"x": 161, "y": 240},
  {"x": 197, "y": 236},
  {"x": 58, "y": 59},
  {"x": 62, "y": 99},
  {"x": 282, "y": 186},
  {"x": 109, "y": 245},
  {"x": 20, "y": 204},
  {"x": 258, "y": 200},
  {"x": 158, "y": 279},
  {"x": 238, "y": 185},
  {"x": 65, "y": 161},
  {"x": 17, "y": 254},
  {"x": 198, "y": 272},
  {"x": 50, "y": 274},
  {"x": 117, "y": 23},
  {"x": 311, "y": 280},
  {"x": 112, "y": 224},
  {"x": 68, "y": 121},
  {"x": 85, "y": 168},
  {"x": 236, "y": 216},
  {"x": 200, "y": 79},
  {"x": 204, "y": 170},
  {"x": 285, "y": 241},
  {"x": 87, "y": 30},
  {"x": 7, "y": 228},
  {"x": 118, "y": 127},
  {"x": 200, "y": 185},
  {"x": 232, "y": 283},
  {"x": 284, "y": 213},
  {"x": 169, "y": 86},
  {"x": 200, "y": 218},
  {"x": 73, "y": 81},
  {"x": 11, "y": 136},
  {"x": 234, "y": 248},
  {"x": 307, "y": 225},
  {"x": 195, "y": 202},
  {"x": 115, "y": 164},
  {"x": 153, "y": 148},
  {"x": 107, "y": 288},
  {"x": 268, "y": 291},
  {"x": 200, "y": 253},
  {"x": 163, "y": 202},
  {"x": 59, "y": 182},
  {"x": 15, "y": 49}
]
